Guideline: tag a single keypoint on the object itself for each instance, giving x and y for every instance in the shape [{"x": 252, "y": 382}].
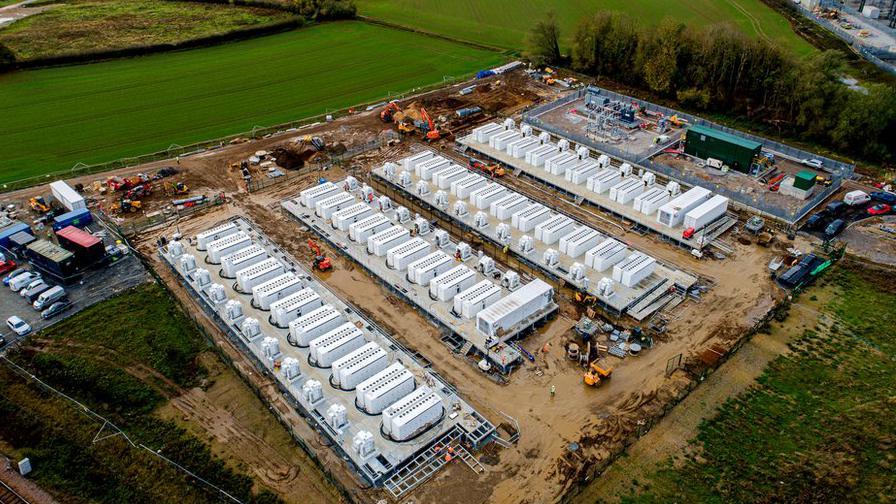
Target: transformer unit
[
  {"x": 293, "y": 306},
  {"x": 290, "y": 368},
  {"x": 258, "y": 274},
  {"x": 348, "y": 216},
  {"x": 519, "y": 148},
  {"x": 648, "y": 202},
  {"x": 428, "y": 267},
  {"x": 483, "y": 134},
  {"x": 359, "y": 365},
  {"x": 445, "y": 286},
  {"x": 410, "y": 163},
  {"x": 485, "y": 196},
  {"x": 376, "y": 393},
  {"x": 276, "y": 289},
  {"x": 364, "y": 228},
  {"x": 672, "y": 213},
  {"x": 510, "y": 204},
  {"x": 412, "y": 414},
  {"x": 514, "y": 308},
  {"x": 362, "y": 444},
  {"x": 536, "y": 156},
  {"x": 314, "y": 325},
  {"x": 227, "y": 245},
  {"x": 399, "y": 257},
  {"x": 476, "y": 298},
  {"x": 215, "y": 233},
  {"x": 242, "y": 259},
  {"x": 310, "y": 197},
  {"x": 526, "y": 244},
  {"x": 579, "y": 241},
  {"x": 335, "y": 344},
  {"x": 445, "y": 178},
  {"x": 626, "y": 190},
  {"x": 426, "y": 169},
  {"x": 501, "y": 140},
  {"x": 605, "y": 255},
  {"x": 581, "y": 173},
  {"x": 604, "y": 180},
  {"x": 552, "y": 229},
  {"x": 633, "y": 269},
  {"x": 558, "y": 165},
  {"x": 464, "y": 186},
  {"x": 526, "y": 220},
  {"x": 380, "y": 243},
  {"x": 327, "y": 207},
  {"x": 709, "y": 211}
]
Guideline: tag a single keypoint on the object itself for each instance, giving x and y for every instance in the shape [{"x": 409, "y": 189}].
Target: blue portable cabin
[
  {"x": 7, "y": 232},
  {"x": 78, "y": 218}
]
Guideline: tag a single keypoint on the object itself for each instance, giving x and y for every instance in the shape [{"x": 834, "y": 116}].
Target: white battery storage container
[
  {"x": 559, "y": 165},
  {"x": 215, "y": 233},
  {"x": 425, "y": 169},
  {"x": 445, "y": 178},
  {"x": 380, "y": 243},
  {"x": 518, "y": 148},
  {"x": 648, "y": 202},
  {"x": 327, "y": 207},
  {"x": 276, "y": 289},
  {"x": 672, "y": 213},
  {"x": 359, "y": 365},
  {"x": 309, "y": 197},
  {"x": 633, "y": 269},
  {"x": 257, "y": 274},
  {"x": 485, "y": 196},
  {"x": 227, "y": 245},
  {"x": 560, "y": 156},
  {"x": 626, "y": 190},
  {"x": 400, "y": 256},
  {"x": 428, "y": 267},
  {"x": 526, "y": 220},
  {"x": 552, "y": 229},
  {"x": 348, "y": 216},
  {"x": 378, "y": 392},
  {"x": 445, "y": 286},
  {"x": 582, "y": 239},
  {"x": 412, "y": 414},
  {"x": 508, "y": 205},
  {"x": 364, "y": 228},
  {"x": 704, "y": 214},
  {"x": 580, "y": 174},
  {"x": 537, "y": 156},
  {"x": 294, "y": 306},
  {"x": 464, "y": 186},
  {"x": 410, "y": 163},
  {"x": 242, "y": 259},
  {"x": 484, "y": 133},
  {"x": 512, "y": 309},
  {"x": 501, "y": 140},
  {"x": 314, "y": 324},
  {"x": 605, "y": 255},
  {"x": 604, "y": 180},
  {"x": 478, "y": 297},
  {"x": 335, "y": 344}
]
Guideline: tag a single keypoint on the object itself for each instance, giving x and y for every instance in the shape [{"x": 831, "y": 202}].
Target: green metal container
[
  {"x": 804, "y": 180},
  {"x": 736, "y": 152}
]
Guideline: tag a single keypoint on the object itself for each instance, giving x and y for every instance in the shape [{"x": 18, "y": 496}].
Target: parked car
[
  {"x": 32, "y": 292},
  {"x": 834, "y": 228},
  {"x": 18, "y": 326},
  {"x": 855, "y": 198},
  {"x": 13, "y": 274},
  {"x": 49, "y": 297},
  {"x": 7, "y": 265},
  {"x": 879, "y": 209},
  {"x": 816, "y": 221},
  {"x": 3, "y": 341},
  {"x": 814, "y": 163},
  {"x": 32, "y": 283},
  {"x": 884, "y": 197},
  {"x": 835, "y": 207},
  {"x": 22, "y": 281},
  {"x": 55, "y": 309}
]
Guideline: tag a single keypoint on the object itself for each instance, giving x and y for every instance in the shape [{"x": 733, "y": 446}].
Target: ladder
[{"x": 465, "y": 349}]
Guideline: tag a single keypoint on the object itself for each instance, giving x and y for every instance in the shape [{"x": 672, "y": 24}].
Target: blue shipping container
[
  {"x": 78, "y": 218},
  {"x": 12, "y": 229}
]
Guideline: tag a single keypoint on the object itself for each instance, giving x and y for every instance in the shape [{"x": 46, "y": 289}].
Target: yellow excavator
[
  {"x": 39, "y": 205},
  {"x": 596, "y": 374}
]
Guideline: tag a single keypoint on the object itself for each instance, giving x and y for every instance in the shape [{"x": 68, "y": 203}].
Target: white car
[
  {"x": 18, "y": 326},
  {"x": 814, "y": 163}
]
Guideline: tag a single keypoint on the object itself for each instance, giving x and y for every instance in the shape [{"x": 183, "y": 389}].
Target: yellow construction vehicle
[
  {"x": 180, "y": 188},
  {"x": 126, "y": 206},
  {"x": 595, "y": 374},
  {"x": 39, "y": 205}
]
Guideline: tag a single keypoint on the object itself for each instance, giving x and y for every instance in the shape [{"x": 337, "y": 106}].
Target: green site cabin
[{"x": 734, "y": 151}]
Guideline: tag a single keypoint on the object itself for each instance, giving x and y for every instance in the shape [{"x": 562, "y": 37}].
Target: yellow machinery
[
  {"x": 595, "y": 374},
  {"x": 39, "y": 205}
]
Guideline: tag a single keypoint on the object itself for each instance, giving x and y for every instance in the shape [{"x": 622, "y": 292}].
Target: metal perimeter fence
[{"x": 753, "y": 201}]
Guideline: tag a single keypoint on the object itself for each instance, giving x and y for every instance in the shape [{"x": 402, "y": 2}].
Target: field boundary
[{"x": 398, "y": 26}]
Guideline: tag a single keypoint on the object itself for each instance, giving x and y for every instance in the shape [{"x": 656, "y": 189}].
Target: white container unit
[
  {"x": 295, "y": 305},
  {"x": 514, "y": 308},
  {"x": 508, "y": 205},
  {"x": 258, "y": 274},
  {"x": 425, "y": 169},
  {"x": 227, "y": 245},
  {"x": 412, "y": 414},
  {"x": 359, "y": 365},
  {"x": 552, "y": 229},
  {"x": 364, "y": 228},
  {"x": 476, "y": 298},
  {"x": 445, "y": 178},
  {"x": 327, "y": 207},
  {"x": 605, "y": 255},
  {"x": 604, "y": 180},
  {"x": 520, "y": 147},
  {"x": 626, "y": 190},
  {"x": 526, "y": 220},
  {"x": 380, "y": 243},
  {"x": 376, "y": 393},
  {"x": 704, "y": 214},
  {"x": 672, "y": 213},
  {"x": 445, "y": 286},
  {"x": 348, "y": 216},
  {"x": 314, "y": 325},
  {"x": 400, "y": 256},
  {"x": 410, "y": 163},
  {"x": 559, "y": 165},
  {"x": 310, "y": 197},
  {"x": 633, "y": 269},
  {"x": 66, "y": 196},
  {"x": 501, "y": 140},
  {"x": 242, "y": 259},
  {"x": 462, "y": 187},
  {"x": 579, "y": 241},
  {"x": 484, "y": 133},
  {"x": 485, "y": 196},
  {"x": 581, "y": 173},
  {"x": 276, "y": 289},
  {"x": 537, "y": 156},
  {"x": 335, "y": 344},
  {"x": 428, "y": 267},
  {"x": 215, "y": 233},
  {"x": 648, "y": 202}
]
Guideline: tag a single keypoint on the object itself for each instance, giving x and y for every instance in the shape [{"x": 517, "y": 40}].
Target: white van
[
  {"x": 17, "y": 283},
  {"x": 48, "y": 297},
  {"x": 854, "y": 198}
]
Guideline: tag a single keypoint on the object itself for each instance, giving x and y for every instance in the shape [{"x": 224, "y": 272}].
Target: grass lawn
[
  {"x": 80, "y": 26},
  {"x": 56, "y": 117},
  {"x": 506, "y": 23},
  {"x": 819, "y": 424}
]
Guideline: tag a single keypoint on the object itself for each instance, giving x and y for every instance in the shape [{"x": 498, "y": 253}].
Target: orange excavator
[
  {"x": 492, "y": 170},
  {"x": 321, "y": 262},
  {"x": 432, "y": 134},
  {"x": 595, "y": 374},
  {"x": 389, "y": 111}
]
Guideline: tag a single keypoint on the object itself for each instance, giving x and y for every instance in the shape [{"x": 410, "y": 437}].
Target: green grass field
[
  {"x": 505, "y": 23},
  {"x": 56, "y": 117}
]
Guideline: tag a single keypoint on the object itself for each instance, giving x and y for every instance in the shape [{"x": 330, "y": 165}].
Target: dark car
[
  {"x": 884, "y": 197},
  {"x": 34, "y": 290},
  {"x": 835, "y": 207},
  {"x": 816, "y": 221},
  {"x": 834, "y": 228},
  {"x": 55, "y": 309}
]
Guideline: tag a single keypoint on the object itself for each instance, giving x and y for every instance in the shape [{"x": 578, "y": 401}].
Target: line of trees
[{"x": 718, "y": 69}]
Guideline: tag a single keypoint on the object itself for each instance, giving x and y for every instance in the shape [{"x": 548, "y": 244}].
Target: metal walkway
[{"x": 424, "y": 466}]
